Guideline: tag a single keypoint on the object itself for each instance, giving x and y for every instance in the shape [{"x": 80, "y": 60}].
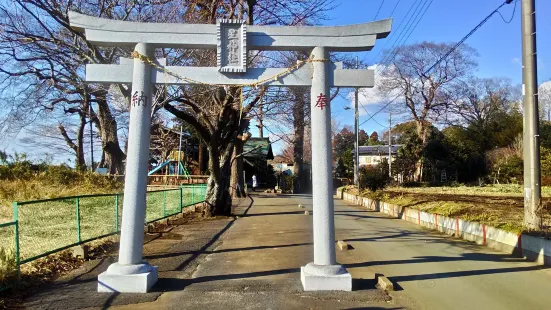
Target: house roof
[
  {"x": 378, "y": 149},
  {"x": 258, "y": 147}
]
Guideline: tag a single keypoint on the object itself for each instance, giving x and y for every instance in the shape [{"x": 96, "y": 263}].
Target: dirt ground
[
  {"x": 43, "y": 272},
  {"x": 505, "y": 211}
]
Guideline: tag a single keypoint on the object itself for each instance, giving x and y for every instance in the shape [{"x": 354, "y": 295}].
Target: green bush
[
  {"x": 374, "y": 177},
  {"x": 411, "y": 184},
  {"x": 8, "y": 266}
]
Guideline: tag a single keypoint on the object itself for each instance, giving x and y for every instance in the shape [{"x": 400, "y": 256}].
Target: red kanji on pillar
[{"x": 322, "y": 101}]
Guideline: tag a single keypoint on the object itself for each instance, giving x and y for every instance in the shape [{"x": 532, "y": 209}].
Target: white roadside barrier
[{"x": 533, "y": 248}]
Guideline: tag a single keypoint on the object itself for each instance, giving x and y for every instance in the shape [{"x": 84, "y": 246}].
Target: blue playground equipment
[{"x": 172, "y": 166}]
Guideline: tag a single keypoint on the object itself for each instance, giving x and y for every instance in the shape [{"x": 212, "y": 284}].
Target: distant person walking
[{"x": 255, "y": 183}]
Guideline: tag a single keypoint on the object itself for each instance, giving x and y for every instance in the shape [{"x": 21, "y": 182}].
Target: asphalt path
[
  {"x": 253, "y": 260},
  {"x": 435, "y": 271}
]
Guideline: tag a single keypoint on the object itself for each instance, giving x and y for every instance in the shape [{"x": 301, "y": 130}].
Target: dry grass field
[{"x": 500, "y": 206}]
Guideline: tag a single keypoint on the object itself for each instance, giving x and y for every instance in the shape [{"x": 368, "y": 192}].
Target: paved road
[
  {"x": 253, "y": 262},
  {"x": 435, "y": 271},
  {"x": 256, "y": 265}
]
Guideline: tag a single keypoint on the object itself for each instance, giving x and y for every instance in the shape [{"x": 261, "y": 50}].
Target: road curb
[{"x": 532, "y": 248}]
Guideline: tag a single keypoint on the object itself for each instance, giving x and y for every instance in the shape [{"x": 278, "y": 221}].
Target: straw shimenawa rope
[{"x": 256, "y": 84}]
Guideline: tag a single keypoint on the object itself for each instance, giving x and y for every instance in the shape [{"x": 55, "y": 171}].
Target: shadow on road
[
  {"x": 275, "y": 213},
  {"x": 262, "y": 247},
  {"x": 174, "y": 284},
  {"x": 447, "y": 275}
]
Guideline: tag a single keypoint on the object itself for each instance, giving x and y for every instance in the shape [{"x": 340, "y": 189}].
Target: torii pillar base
[
  {"x": 325, "y": 278},
  {"x": 127, "y": 278}
]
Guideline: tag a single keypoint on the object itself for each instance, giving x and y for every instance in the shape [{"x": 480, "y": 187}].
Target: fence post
[
  {"x": 78, "y": 219},
  {"x": 181, "y": 198},
  {"x": 117, "y": 212},
  {"x": 16, "y": 237},
  {"x": 164, "y": 203}
]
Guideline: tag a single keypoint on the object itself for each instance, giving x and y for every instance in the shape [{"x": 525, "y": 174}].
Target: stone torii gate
[{"x": 232, "y": 39}]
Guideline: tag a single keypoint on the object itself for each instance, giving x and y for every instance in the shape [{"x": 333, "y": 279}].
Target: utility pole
[
  {"x": 389, "y": 142},
  {"x": 357, "y": 137},
  {"x": 91, "y": 138},
  {"x": 531, "y": 143},
  {"x": 179, "y": 151}
]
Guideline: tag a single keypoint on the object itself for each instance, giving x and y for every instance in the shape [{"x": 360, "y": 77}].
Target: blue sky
[{"x": 498, "y": 43}]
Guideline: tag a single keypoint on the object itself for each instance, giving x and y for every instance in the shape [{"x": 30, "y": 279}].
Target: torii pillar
[
  {"x": 232, "y": 39},
  {"x": 324, "y": 273}
]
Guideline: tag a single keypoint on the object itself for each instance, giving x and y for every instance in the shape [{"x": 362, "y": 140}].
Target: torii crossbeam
[{"x": 232, "y": 39}]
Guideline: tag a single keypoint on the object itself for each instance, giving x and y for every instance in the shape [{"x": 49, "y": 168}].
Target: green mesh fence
[
  {"x": 47, "y": 226},
  {"x": 9, "y": 265},
  {"x": 98, "y": 216},
  {"x": 156, "y": 205},
  {"x": 173, "y": 202},
  {"x": 50, "y": 225}
]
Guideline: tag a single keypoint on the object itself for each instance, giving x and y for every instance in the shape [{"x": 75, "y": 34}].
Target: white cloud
[{"x": 371, "y": 96}]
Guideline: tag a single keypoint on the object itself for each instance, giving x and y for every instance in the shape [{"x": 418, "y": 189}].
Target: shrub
[
  {"x": 8, "y": 265},
  {"x": 506, "y": 165},
  {"x": 412, "y": 184},
  {"x": 374, "y": 177}
]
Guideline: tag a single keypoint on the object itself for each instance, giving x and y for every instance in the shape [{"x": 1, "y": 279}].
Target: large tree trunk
[
  {"x": 260, "y": 121},
  {"x": 77, "y": 147},
  {"x": 202, "y": 159},
  {"x": 81, "y": 164},
  {"x": 237, "y": 184},
  {"x": 422, "y": 134},
  {"x": 113, "y": 155},
  {"x": 218, "y": 199},
  {"x": 298, "y": 144}
]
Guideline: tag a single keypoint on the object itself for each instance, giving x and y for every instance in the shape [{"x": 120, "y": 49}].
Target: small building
[
  {"x": 256, "y": 153},
  {"x": 373, "y": 154}
]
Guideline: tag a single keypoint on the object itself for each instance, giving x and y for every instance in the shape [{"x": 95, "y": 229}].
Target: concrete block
[
  {"x": 312, "y": 282},
  {"x": 536, "y": 249},
  {"x": 384, "y": 283},
  {"x": 472, "y": 231},
  {"x": 127, "y": 283},
  {"x": 446, "y": 225},
  {"x": 343, "y": 246},
  {"x": 80, "y": 251},
  {"x": 501, "y": 236},
  {"x": 427, "y": 219}
]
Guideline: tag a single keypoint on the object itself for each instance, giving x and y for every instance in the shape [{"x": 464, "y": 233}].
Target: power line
[
  {"x": 394, "y": 9},
  {"x": 393, "y": 32},
  {"x": 417, "y": 23},
  {"x": 379, "y": 10},
  {"x": 405, "y": 36},
  {"x": 381, "y": 109},
  {"x": 368, "y": 114},
  {"x": 467, "y": 36},
  {"x": 512, "y": 15},
  {"x": 397, "y": 29}
]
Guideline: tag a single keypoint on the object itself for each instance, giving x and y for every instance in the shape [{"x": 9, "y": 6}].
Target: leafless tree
[
  {"x": 220, "y": 117},
  {"x": 44, "y": 57},
  {"x": 544, "y": 97},
  {"x": 426, "y": 94},
  {"x": 474, "y": 102}
]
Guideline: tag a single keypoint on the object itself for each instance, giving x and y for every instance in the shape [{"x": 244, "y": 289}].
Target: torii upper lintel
[{"x": 350, "y": 38}]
